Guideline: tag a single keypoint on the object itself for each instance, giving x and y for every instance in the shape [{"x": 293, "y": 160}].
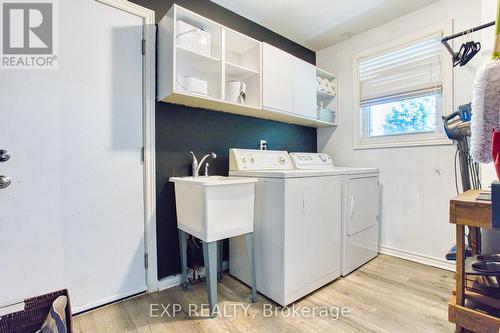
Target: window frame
[{"x": 406, "y": 139}]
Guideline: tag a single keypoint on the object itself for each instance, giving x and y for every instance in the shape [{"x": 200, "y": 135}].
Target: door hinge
[
  {"x": 146, "y": 260},
  {"x": 143, "y": 46},
  {"x": 143, "y": 154}
]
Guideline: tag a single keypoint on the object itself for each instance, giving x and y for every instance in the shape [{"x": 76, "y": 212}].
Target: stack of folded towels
[{"x": 325, "y": 85}]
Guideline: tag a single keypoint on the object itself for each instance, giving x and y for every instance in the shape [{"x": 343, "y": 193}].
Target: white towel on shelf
[
  {"x": 325, "y": 85},
  {"x": 332, "y": 87}
]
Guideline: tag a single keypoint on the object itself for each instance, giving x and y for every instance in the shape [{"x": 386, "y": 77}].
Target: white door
[
  {"x": 277, "y": 79},
  {"x": 304, "y": 88},
  {"x": 363, "y": 204},
  {"x": 73, "y": 216}
]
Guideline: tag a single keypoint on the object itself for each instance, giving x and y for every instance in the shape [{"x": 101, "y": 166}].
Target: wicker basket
[{"x": 34, "y": 314}]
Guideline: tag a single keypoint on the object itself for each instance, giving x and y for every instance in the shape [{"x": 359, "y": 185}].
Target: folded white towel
[
  {"x": 333, "y": 88},
  {"x": 325, "y": 85}
]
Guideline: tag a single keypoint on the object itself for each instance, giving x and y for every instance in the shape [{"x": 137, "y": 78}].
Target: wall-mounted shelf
[
  {"x": 218, "y": 105},
  {"x": 204, "y": 64},
  {"x": 239, "y": 71},
  {"x": 193, "y": 56},
  {"x": 321, "y": 95},
  {"x": 326, "y": 99}
]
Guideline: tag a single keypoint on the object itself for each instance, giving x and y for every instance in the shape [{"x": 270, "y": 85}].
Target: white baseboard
[
  {"x": 416, "y": 257},
  {"x": 112, "y": 299},
  {"x": 169, "y": 282},
  {"x": 175, "y": 280}
]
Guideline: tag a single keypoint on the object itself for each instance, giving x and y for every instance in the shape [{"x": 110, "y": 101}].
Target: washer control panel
[
  {"x": 306, "y": 161},
  {"x": 249, "y": 159}
]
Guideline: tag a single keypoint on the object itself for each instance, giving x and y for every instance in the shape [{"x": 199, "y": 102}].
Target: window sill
[{"x": 399, "y": 142}]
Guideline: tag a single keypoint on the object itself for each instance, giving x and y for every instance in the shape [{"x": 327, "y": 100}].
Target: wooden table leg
[
  {"x": 460, "y": 261},
  {"x": 475, "y": 239},
  {"x": 460, "y": 277}
]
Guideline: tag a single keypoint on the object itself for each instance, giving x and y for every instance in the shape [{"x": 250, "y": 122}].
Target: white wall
[{"x": 417, "y": 182}]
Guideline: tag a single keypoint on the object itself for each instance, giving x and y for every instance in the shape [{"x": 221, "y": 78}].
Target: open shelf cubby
[
  {"x": 197, "y": 33},
  {"x": 242, "y": 68},
  {"x": 326, "y": 99},
  {"x": 193, "y": 66},
  {"x": 242, "y": 51}
]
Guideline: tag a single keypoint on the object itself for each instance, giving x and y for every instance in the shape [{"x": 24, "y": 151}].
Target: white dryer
[
  {"x": 360, "y": 217},
  {"x": 297, "y": 226}
]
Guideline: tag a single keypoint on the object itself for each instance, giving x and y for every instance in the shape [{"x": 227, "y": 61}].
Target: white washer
[{"x": 297, "y": 226}]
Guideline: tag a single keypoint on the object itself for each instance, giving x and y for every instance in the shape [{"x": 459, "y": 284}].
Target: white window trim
[{"x": 404, "y": 140}]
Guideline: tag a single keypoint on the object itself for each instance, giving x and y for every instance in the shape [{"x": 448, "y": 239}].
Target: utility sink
[{"x": 215, "y": 207}]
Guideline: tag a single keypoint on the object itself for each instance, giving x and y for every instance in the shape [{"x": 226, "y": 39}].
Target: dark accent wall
[{"x": 180, "y": 129}]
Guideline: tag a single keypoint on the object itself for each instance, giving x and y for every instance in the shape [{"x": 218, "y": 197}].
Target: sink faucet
[{"x": 197, "y": 165}]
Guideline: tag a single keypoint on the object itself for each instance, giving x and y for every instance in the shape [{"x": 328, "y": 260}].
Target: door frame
[{"x": 149, "y": 100}]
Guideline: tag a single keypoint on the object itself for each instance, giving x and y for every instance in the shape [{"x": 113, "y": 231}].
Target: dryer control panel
[
  {"x": 250, "y": 159},
  {"x": 308, "y": 161}
]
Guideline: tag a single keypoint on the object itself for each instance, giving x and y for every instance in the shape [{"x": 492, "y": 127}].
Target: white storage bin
[
  {"x": 192, "y": 85},
  {"x": 236, "y": 91},
  {"x": 327, "y": 115},
  {"x": 192, "y": 38}
]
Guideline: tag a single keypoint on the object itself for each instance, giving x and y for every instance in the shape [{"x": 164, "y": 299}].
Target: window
[{"x": 402, "y": 94}]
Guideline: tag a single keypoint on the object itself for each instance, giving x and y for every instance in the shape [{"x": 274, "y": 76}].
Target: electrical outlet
[{"x": 263, "y": 145}]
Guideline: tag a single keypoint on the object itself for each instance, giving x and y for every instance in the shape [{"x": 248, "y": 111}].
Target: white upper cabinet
[
  {"x": 304, "y": 89},
  {"x": 277, "y": 79},
  {"x": 288, "y": 83},
  {"x": 202, "y": 63}
]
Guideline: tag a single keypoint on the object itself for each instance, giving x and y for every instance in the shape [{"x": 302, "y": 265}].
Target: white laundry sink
[{"x": 215, "y": 207}]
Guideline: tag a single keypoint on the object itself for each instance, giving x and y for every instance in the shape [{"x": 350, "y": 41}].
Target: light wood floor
[{"x": 386, "y": 295}]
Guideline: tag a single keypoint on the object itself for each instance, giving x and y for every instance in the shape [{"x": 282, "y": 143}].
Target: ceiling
[{"x": 318, "y": 24}]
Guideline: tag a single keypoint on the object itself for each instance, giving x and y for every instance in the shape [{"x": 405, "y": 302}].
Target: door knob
[
  {"x": 4, "y": 181},
  {"x": 4, "y": 155}
]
